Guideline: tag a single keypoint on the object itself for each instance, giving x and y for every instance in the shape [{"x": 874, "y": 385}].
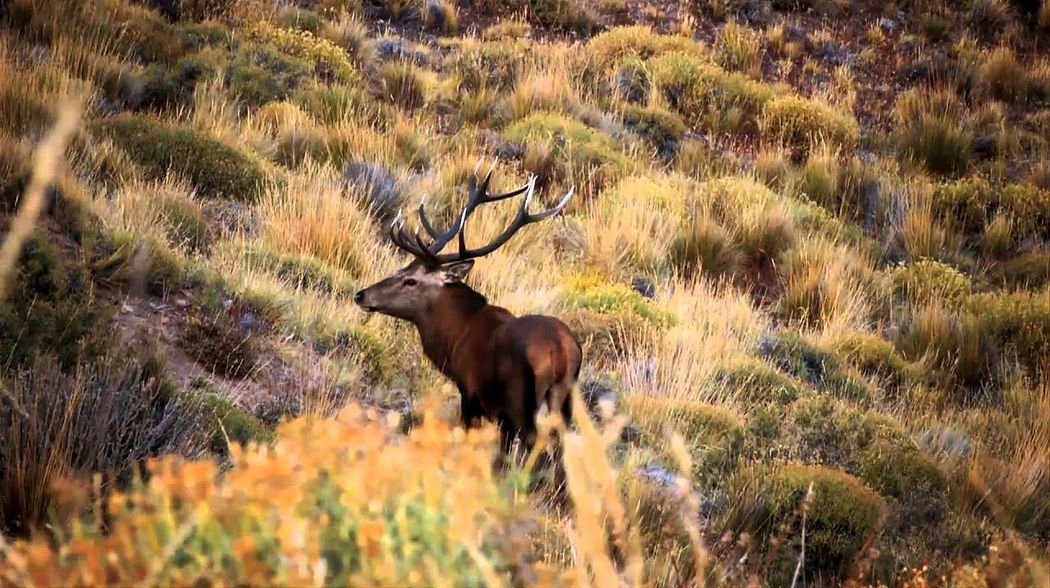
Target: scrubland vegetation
[{"x": 808, "y": 262}]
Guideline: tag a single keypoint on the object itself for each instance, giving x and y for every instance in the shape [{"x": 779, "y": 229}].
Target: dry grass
[{"x": 728, "y": 266}]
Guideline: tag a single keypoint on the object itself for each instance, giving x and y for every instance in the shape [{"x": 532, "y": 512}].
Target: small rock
[
  {"x": 252, "y": 323},
  {"x": 500, "y": 147},
  {"x": 948, "y": 441},
  {"x": 398, "y": 49},
  {"x": 643, "y": 286},
  {"x": 127, "y": 308},
  {"x": 182, "y": 302},
  {"x": 886, "y": 23},
  {"x": 985, "y": 147},
  {"x": 379, "y": 185}
]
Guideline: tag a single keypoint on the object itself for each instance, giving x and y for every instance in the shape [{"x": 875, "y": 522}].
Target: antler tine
[
  {"x": 424, "y": 221},
  {"x": 521, "y": 219}
]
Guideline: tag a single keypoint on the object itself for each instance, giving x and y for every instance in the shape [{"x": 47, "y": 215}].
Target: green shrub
[
  {"x": 756, "y": 383},
  {"x": 819, "y": 367},
  {"x": 593, "y": 293},
  {"x": 172, "y": 86},
  {"x": 300, "y": 19},
  {"x": 124, "y": 257},
  {"x": 804, "y": 123},
  {"x": 329, "y": 62},
  {"x": 577, "y": 152},
  {"x": 217, "y": 341},
  {"x": 927, "y": 281},
  {"x": 821, "y": 180},
  {"x": 49, "y": 310},
  {"x": 821, "y": 430},
  {"x": 901, "y": 472},
  {"x": 842, "y": 516},
  {"x": 335, "y": 104},
  {"x": 875, "y": 356},
  {"x": 372, "y": 354},
  {"x": 214, "y": 168},
  {"x": 964, "y": 203},
  {"x": 232, "y": 424},
  {"x": 1031, "y": 271},
  {"x": 299, "y": 270},
  {"x": 661, "y": 129},
  {"x": 492, "y": 65},
  {"x": 707, "y": 96},
  {"x": 632, "y": 82},
  {"x": 713, "y": 434},
  {"x": 260, "y": 73},
  {"x": 608, "y": 337},
  {"x": 184, "y": 222},
  {"x": 1019, "y": 324},
  {"x": 614, "y": 46}
]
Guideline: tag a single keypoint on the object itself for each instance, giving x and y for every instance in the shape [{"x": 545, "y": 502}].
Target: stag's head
[{"x": 416, "y": 287}]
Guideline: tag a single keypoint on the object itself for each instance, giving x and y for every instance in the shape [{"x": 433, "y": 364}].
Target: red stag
[{"x": 505, "y": 367}]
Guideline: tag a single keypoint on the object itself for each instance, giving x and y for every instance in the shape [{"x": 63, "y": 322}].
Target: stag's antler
[{"x": 477, "y": 195}]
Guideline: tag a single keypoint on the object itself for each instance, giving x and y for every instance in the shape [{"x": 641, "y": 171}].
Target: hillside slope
[{"x": 813, "y": 238}]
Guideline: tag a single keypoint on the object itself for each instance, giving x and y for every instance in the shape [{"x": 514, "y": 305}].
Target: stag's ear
[{"x": 455, "y": 272}]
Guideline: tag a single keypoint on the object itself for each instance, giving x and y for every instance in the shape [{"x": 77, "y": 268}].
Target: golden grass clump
[{"x": 798, "y": 122}]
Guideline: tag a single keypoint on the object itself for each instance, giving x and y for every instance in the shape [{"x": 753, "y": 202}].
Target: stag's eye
[{"x": 410, "y": 282}]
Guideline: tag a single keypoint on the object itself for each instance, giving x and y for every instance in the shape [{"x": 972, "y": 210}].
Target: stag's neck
[{"x": 446, "y": 322}]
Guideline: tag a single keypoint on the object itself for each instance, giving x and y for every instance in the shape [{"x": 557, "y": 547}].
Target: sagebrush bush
[
  {"x": 803, "y": 123},
  {"x": 214, "y": 168}
]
